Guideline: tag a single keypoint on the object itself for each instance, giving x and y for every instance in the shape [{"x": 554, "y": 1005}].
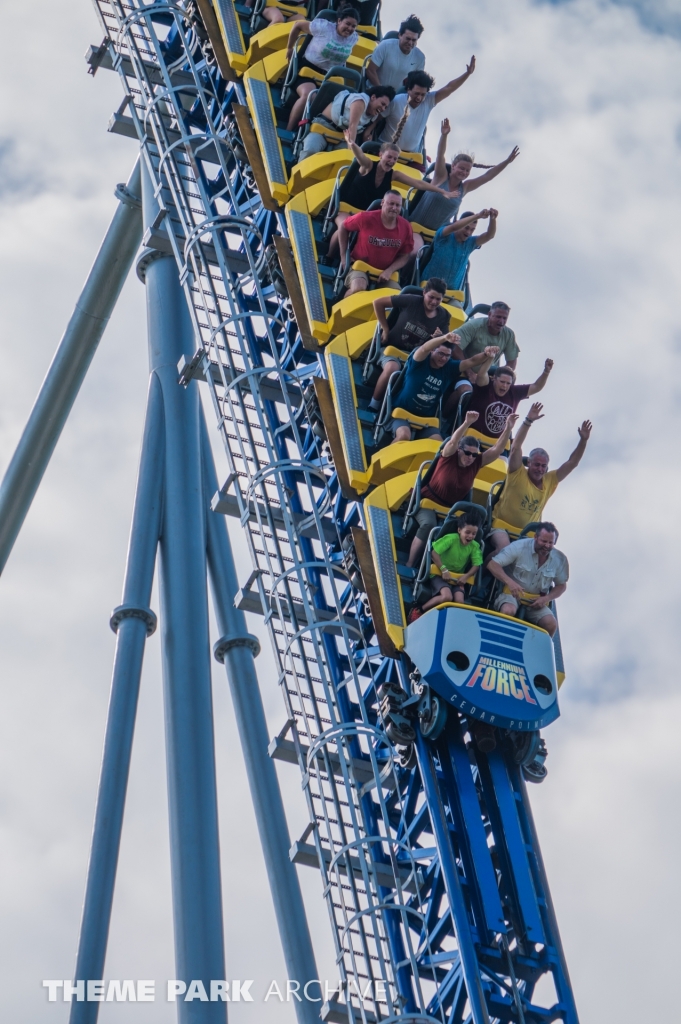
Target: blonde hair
[{"x": 469, "y": 158}]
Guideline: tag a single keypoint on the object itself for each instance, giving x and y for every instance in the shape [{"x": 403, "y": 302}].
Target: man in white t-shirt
[
  {"x": 393, "y": 59},
  {"x": 419, "y": 100}
]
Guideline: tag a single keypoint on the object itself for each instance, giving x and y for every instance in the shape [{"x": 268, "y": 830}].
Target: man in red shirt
[
  {"x": 384, "y": 241},
  {"x": 460, "y": 462}
]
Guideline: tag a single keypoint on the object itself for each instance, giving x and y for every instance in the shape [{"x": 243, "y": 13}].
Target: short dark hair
[
  {"x": 393, "y": 192},
  {"x": 468, "y": 213},
  {"x": 410, "y": 24},
  {"x": 500, "y": 305},
  {"x": 421, "y": 78},
  {"x": 381, "y": 90},
  {"x": 549, "y": 527},
  {"x": 347, "y": 12},
  {"x": 435, "y": 284},
  {"x": 501, "y": 371},
  {"x": 470, "y": 518}
]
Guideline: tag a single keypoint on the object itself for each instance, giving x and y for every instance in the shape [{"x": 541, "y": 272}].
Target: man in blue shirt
[
  {"x": 428, "y": 371},
  {"x": 453, "y": 245}
]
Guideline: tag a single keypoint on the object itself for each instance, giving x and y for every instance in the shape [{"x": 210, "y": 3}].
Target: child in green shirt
[{"x": 458, "y": 555}]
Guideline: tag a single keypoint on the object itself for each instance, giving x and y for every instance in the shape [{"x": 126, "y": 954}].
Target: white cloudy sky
[{"x": 587, "y": 255}]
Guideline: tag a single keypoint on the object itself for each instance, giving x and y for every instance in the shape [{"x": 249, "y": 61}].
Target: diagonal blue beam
[{"x": 70, "y": 364}]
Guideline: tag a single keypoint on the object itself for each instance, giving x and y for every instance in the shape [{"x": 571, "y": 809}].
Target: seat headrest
[{"x": 325, "y": 94}]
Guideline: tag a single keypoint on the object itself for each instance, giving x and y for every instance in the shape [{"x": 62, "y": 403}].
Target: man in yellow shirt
[{"x": 527, "y": 489}]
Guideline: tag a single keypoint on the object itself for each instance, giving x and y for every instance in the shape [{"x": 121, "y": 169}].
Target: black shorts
[{"x": 300, "y": 80}]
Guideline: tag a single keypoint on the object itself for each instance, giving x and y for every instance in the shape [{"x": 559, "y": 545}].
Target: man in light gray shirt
[
  {"x": 476, "y": 334},
  {"x": 538, "y": 575},
  {"x": 393, "y": 59},
  {"x": 418, "y": 100}
]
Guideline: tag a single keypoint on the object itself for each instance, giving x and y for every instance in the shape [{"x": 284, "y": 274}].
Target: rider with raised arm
[
  {"x": 368, "y": 180},
  {"x": 459, "y": 463},
  {"x": 408, "y": 113},
  {"x": 528, "y": 489},
  {"x": 432, "y": 211},
  {"x": 496, "y": 395}
]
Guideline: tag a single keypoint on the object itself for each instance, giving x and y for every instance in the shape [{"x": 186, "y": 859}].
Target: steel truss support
[
  {"x": 70, "y": 363},
  {"x": 172, "y": 512}
]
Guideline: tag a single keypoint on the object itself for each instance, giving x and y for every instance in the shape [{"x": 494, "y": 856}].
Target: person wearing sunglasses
[{"x": 459, "y": 463}]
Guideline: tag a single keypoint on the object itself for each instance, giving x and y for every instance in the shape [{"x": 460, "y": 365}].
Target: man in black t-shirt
[
  {"x": 497, "y": 398},
  {"x": 420, "y": 318}
]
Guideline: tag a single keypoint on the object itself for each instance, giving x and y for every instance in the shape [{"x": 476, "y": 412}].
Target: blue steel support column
[
  {"x": 450, "y": 874},
  {"x": 192, "y": 797},
  {"x": 133, "y": 622},
  {"x": 70, "y": 364},
  {"x": 237, "y": 649}
]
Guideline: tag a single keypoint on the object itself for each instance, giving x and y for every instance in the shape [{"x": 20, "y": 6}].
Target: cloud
[
  {"x": 660, "y": 16},
  {"x": 587, "y": 256}
]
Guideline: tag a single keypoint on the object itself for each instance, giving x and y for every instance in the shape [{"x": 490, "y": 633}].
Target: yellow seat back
[
  {"x": 401, "y": 457},
  {"x": 416, "y": 421},
  {"x": 269, "y": 40}
]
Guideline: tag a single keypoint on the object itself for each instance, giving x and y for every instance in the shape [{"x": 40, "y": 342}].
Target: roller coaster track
[{"x": 430, "y": 865}]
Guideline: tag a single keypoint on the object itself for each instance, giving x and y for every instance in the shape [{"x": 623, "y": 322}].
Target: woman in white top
[{"x": 331, "y": 44}]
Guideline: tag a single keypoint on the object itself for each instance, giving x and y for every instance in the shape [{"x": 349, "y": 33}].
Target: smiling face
[
  {"x": 345, "y": 27},
  {"x": 377, "y": 104},
  {"x": 460, "y": 171},
  {"x": 388, "y": 158},
  {"x": 408, "y": 41},
  {"x": 544, "y": 542}
]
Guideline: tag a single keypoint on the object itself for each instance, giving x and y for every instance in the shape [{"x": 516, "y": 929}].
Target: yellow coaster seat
[
  {"x": 416, "y": 421},
  {"x": 267, "y": 41},
  {"x": 318, "y": 167},
  {"x": 276, "y": 65},
  {"x": 457, "y": 317},
  {"x": 451, "y": 293},
  {"x": 499, "y": 524},
  {"x": 358, "y": 339},
  {"x": 329, "y": 133},
  {"x": 317, "y": 196},
  {"x": 358, "y": 308},
  {"x": 485, "y": 440},
  {"x": 428, "y": 503},
  {"x": 401, "y": 457}
]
